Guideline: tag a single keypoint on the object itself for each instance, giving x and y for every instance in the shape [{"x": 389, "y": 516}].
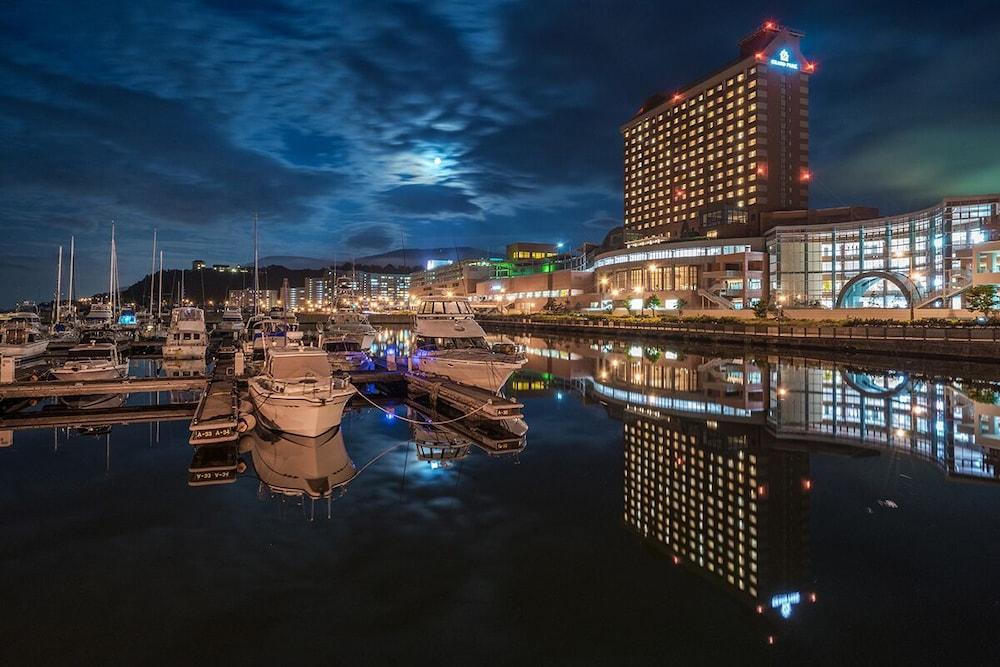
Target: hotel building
[{"x": 707, "y": 159}]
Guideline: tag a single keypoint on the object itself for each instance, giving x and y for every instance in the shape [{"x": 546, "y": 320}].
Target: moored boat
[
  {"x": 353, "y": 325},
  {"x": 186, "y": 337},
  {"x": 296, "y": 392},
  {"x": 451, "y": 344}
]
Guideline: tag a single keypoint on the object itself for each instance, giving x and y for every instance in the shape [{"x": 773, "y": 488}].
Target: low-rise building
[
  {"x": 705, "y": 274},
  {"x": 456, "y": 279},
  {"x": 532, "y": 293}
]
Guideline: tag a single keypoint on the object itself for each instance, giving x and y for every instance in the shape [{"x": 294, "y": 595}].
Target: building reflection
[
  {"x": 714, "y": 497},
  {"x": 716, "y": 450}
]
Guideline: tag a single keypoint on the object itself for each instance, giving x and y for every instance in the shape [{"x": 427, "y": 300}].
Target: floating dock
[
  {"x": 217, "y": 418},
  {"x": 55, "y": 388},
  {"x": 99, "y": 417},
  {"x": 486, "y": 405}
]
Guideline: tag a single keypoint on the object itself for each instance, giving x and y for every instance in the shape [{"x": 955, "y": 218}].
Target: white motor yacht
[
  {"x": 97, "y": 360},
  {"x": 296, "y": 392},
  {"x": 20, "y": 340},
  {"x": 294, "y": 465},
  {"x": 186, "y": 337},
  {"x": 99, "y": 316},
  {"x": 351, "y": 324},
  {"x": 345, "y": 354},
  {"x": 450, "y": 343},
  {"x": 232, "y": 321}
]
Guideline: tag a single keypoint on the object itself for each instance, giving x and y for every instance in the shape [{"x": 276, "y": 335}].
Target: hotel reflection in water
[{"x": 716, "y": 450}]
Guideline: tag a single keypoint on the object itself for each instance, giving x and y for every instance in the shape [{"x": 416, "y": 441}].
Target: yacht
[
  {"x": 351, "y": 324},
  {"x": 96, "y": 360},
  {"x": 186, "y": 337},
  {"x": 293, "y": 465},
  {"x": 279, "y": 313},
  {"x": 20, "y": 340},
  {"x": 450, "y": 343},
  {"x": 264, "y": 333},
  {"x": 232, "y": 321},
  {"x": 296, "y": 392},
  {"x": 100, "y": 315},
  {"x": 345, "y": 354}
]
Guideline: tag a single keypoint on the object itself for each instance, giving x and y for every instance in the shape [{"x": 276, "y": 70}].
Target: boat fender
[{"x": 247, "y": 422}]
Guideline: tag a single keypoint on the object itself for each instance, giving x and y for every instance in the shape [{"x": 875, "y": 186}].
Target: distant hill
[
  {"x": 416, "y": 257},
  {"x": 209, "y": 285},
  {"x": 420, "y": 256}
]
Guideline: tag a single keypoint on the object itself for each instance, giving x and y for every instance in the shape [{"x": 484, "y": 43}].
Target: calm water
[{"x": 669, "y": 506}]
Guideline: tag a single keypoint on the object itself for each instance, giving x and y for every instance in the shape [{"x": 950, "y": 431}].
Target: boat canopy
[{"x": 299, "y": 364}]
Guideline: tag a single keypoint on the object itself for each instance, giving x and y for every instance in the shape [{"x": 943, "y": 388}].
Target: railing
[{"x": 902, "y": 332}]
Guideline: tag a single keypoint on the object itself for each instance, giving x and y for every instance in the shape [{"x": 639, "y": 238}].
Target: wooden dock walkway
[
  {"x": 217, "y": 417},
  {"x": 54, "y": 388},
  {"x": 100, "y": 417}
]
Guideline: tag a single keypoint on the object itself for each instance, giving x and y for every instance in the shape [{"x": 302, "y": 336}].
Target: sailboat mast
[
  {"x": 58, "y": 300},
  {"x": 152, "y": 272},
  {"x": 72, "y": 257},
  {"x": 256, "y": 278},
  {"x": 159, "y": 301},
  {"x": 111, "y": 271}
]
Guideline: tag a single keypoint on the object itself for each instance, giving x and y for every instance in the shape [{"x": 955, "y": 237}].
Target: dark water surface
[{"x": 669, "y": 507}]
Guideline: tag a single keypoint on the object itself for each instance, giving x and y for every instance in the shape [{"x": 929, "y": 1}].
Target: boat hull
[
  {"x": 489, "y": 375},
  {"x": 299, "y": 415},
  {"x": 108, "y": 373},
  {"x": 25, "y": 351}
]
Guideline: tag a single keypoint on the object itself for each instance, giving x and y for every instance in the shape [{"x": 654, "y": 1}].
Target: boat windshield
[
  {"x": 300, "y": 366},
  {"x": 341, "y": 346},
  {"x": 438, "y": 343},
  {"x": 94, "y": 353},
  {"x": 445, "y": 308}
]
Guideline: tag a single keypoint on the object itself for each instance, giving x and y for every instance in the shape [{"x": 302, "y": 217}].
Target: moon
[{"x": 437, "y": 162}]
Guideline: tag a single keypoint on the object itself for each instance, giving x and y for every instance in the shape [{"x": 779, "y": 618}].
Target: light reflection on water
[{"x": 801, "y": 502}]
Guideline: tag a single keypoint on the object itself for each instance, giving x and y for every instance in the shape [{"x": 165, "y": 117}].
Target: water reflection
[
  {"x": 951, "y": 423},
  {"x": 293, "y": 465},
  {"x": 716, "y": 450}
]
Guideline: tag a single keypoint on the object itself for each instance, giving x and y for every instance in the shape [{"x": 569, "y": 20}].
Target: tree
[
  {"x": 761, "y": 308},
  {"x": 981, "y": 299},
  {"x": 681, "y": 305},
  {"x": 653, "y": 302}
]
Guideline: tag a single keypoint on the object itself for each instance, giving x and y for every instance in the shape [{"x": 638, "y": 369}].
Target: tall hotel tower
[{"x": 708, "y": 159}]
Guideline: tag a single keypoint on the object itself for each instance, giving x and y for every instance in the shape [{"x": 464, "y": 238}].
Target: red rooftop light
[
  {"x": 810, "y": 67},
  {"x": 770, "y": 25},
  {"x": 677, "y": 97},
  {"x": 759, "y": 55},
  {"x": 805, "y": 176}
]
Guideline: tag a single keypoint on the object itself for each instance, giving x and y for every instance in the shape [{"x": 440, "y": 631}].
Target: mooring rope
[{"x": 424, "y": 423}]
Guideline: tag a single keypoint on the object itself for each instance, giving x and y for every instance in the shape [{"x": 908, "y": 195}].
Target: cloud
[
  {"x": 476, "y": 124},
  {"x": 429, "y": 200}
]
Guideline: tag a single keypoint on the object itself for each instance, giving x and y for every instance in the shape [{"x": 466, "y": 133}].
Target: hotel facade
[{"x": 717, "y": 217}]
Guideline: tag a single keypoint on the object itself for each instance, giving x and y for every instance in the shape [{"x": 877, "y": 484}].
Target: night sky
[{"x": 356, "y": 127}]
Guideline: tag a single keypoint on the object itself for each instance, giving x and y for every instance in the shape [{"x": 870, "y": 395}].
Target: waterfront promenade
[{"x": 970, "y": 342}]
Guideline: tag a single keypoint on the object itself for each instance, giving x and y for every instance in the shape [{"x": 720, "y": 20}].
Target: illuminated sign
[
  {"x": 437, "y": 263},
  {"x": 784, "y": 603},
  {"x": 784, "y": 60}
]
